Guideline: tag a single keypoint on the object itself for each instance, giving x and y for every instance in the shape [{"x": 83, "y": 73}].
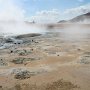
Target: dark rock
[
  {"x": 32, "y": 40},
  {"x": 0, "y": 86},
  {"x": 16, "y": 41},
  {"x": 79, "y": 49},
  {"x": 11, "y": 51},
  {"x": 58, "y": 55},
  {"x": 31, "y": 49}
]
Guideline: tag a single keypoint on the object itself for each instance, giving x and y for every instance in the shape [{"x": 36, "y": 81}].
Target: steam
[
  {"x": 12, "y": 19},
  {"x": 9, "y": 11},
  {"x": 76, "y": 32},
  {"x": 86, "y": 21},
  {"x": 16, "y": 28}
]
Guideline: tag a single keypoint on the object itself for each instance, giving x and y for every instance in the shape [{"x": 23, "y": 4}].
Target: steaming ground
[
  {"x": 17, "y": 28},
  {"x": 59, "y": 59}
]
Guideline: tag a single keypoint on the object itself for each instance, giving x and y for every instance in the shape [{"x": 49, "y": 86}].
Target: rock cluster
[{"x": 22, "y": 75}]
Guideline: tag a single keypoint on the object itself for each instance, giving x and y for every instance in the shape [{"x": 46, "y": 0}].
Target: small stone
[
  {"x": 25, "y": 64},
  {"x": 0, "y": 86},
  {"x": 11, "y": 51},
  {"x": 32, "y": 40},
  {"x": 79, "y": 49},
  {"x": 31, "y": 49},
  {"x": 58, "y": 55}
]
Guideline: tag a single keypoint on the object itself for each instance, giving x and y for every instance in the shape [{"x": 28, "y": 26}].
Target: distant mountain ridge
[{"x": 80, "y": 18}]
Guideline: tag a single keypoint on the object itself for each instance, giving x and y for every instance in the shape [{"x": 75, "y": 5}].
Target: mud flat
[{"x": 51, "y": 61}]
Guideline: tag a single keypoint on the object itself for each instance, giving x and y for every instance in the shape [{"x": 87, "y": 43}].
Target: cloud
[
  {"x": 81, "y": 9},
  {"x": 53, "y": 12},
  {"x": 46, "y": 16},
  {"x": 78, "y": 10},
  {"x": 55, "y": 15},
  {"x": 10, "y": 11}
]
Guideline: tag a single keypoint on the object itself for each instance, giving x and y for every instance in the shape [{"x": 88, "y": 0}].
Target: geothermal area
[
  {"x": 44, "y": 56},
  {"x": 35, "y": 55}
]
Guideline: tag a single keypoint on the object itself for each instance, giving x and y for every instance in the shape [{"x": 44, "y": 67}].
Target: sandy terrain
[{"x": 50, "y": 61}]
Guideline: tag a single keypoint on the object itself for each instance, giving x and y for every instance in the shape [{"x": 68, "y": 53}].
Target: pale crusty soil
[{"x": 58, "y": 64}]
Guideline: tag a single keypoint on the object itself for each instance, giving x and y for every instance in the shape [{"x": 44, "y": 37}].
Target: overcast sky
[{"x": 42, "y": 10}]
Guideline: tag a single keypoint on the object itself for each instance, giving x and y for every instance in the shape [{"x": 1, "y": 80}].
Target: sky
[{"x": 42, "y": 11}]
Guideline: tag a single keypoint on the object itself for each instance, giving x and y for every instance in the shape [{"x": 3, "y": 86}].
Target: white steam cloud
[
  {"x": 9, "y": 11},
  {"x": 12, "y": 19}
]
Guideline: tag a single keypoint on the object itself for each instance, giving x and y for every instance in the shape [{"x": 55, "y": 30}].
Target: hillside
[{"x": 80, "y": 18}]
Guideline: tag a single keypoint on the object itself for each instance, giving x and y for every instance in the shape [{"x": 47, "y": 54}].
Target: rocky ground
[{"x": 44, "y": 62}]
